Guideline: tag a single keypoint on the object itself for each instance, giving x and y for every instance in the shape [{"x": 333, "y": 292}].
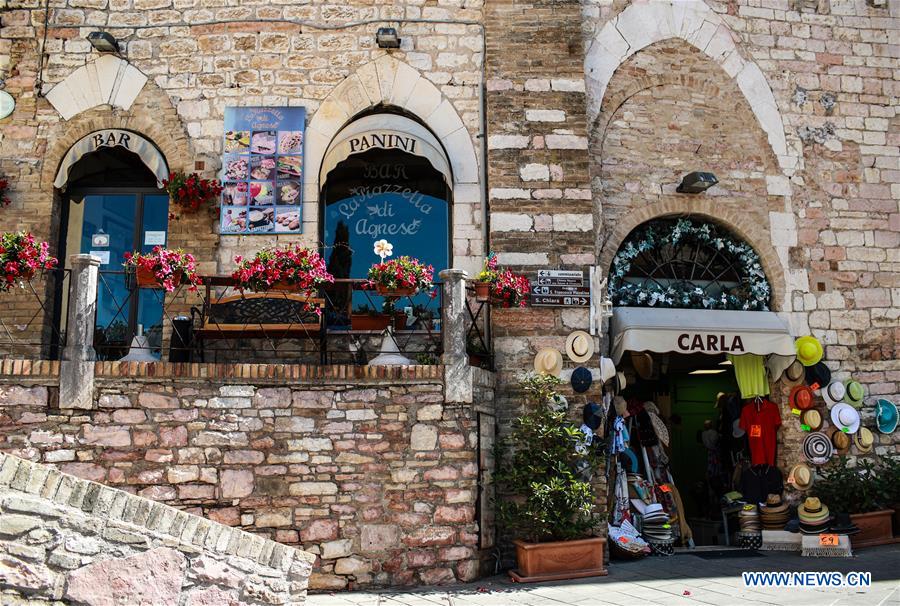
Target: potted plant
[
  {"x": 889, "y": 475},
  {"x": 510, "y": 289},
  {"x": 292, "y": 268},
  {"x": 484, "y": 279},
  {"x": 369, "y": 318},
  {"x": 20, "y": 257},
  {"x": 543, "y": 472},
  {"x": 400, "y": 277},
  {"x": 161, "y": 268},
  {"x": 859, "y": 492},
  {"x": 478, "y": 353},
  {"x": 190, "y": 191}
]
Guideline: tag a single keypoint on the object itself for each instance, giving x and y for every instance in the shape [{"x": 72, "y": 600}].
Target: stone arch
[
  {"x": 737, "y": 223},
  {"x": 388, "y": 82},
  {"x": 642, "y": 24},
  {"x": 152, "y": 115},
  {"x": 109, "y": 80}
]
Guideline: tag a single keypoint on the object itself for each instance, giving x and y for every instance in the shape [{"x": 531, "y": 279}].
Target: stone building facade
[{"x": 566, "y": 126}]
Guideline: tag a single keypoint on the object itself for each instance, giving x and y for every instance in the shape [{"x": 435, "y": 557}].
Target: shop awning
[
  {"x": 691, "y": 331},
  {"x": 386, "y": 131},
  {"x": 133, "y": 142}
]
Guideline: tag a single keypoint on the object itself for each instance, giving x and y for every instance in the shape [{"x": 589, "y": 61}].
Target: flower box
[
  {"x": 20, "y": 257},
  {"x": 377, "y": 322},
  {"x": 147, "y": 279},
  {"x": 558, "y": 560},
  {"x": 161, "y": 268},
  {"x": 482, "y": 291},
  {"x": 384, "y": 291},
  {"x": 874, "y": 528}
]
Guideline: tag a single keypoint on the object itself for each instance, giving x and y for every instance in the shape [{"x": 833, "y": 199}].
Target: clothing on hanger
[{"x": 760, "y": 419}]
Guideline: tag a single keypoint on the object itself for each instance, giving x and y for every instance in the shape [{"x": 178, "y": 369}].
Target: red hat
[{"x": 802, "y": 397}]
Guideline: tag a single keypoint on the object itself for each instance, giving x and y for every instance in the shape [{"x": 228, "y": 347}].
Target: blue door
[{"x": 108, "y": 225}]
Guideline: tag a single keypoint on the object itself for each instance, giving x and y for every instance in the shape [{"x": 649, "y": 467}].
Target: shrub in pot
[
  {"x": 890, "y": 480},
  {"x": 859, "y": 491},
  {"x": 543, "y": 474}
]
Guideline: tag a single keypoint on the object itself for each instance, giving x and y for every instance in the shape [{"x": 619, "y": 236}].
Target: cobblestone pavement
[{"x": 680, "y": 580}]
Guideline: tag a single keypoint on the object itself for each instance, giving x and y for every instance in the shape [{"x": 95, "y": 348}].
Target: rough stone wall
[
  {"x": 820, "y": 206},
  {"x": 378, "y": 478},
  {"x": 67, "y": 540},
  {"x": 540, "y": 198}
]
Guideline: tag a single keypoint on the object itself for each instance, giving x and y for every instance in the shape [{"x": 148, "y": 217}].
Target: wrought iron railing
[{"x": 33, "y": 316}]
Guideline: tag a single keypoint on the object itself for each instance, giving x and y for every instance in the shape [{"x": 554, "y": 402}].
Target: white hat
[
  {"x": 548, "y": 361},
  {"x": 579, "y": 346},
  {"x": 843, "y": 415},
  {"x": 607, "y": 369},
  {"x": 833, "y": 393}
]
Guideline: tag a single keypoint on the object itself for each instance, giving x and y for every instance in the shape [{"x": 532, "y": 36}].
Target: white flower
[{"x": 384, "y": 249}]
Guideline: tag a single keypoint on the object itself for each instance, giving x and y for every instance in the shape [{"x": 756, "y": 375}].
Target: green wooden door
[{"x": 694, "y": 400}]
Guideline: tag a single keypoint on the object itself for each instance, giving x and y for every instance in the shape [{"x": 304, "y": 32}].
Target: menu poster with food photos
[{"x": 262, "y": 170}]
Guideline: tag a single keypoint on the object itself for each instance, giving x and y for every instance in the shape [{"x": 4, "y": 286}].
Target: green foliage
[
  {"x": 889, "y": 476},
  {"x": 540, "y": 469},
  {"x": 851, "y": 490}
]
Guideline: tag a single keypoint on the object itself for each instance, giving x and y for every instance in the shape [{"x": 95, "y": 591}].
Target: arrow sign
[
  {"x": 559, "y": 301},
  {"x": 560, "y": 273},
  {"x": 583, "y": 291},
  {"x": 560, "y": 281}
]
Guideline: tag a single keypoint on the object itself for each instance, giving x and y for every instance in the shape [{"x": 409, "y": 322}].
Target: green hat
[
  {"x": 854, "y": 393},
  {"x": 809, "y": 350}
]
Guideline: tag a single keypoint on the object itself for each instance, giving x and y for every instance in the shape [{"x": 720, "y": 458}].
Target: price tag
[
  {"x": 665, "y": 488},
  {"x": 805, "y": 427},
  {"x": 623, "y": 540},
  {"x": 795, "y": 411},
  {"x": 815, "y": 387},
  {"x": 828, "y": 540},
  {"x": 845, "y": 429}
]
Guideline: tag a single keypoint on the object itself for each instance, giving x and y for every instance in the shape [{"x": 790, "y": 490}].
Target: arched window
[
  {"x": 686, "y": 263},
  {"x": 386, "y": 177}
]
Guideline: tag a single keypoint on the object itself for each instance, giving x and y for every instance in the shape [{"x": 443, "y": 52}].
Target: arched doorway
[
  {"x": 692, "y": 331},
  {"x": 385, "y": 177},
  {"x": 112, "y": 203}
]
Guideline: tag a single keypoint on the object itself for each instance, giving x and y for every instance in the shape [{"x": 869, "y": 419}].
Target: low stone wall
[
  {"x": 65, "y": 538},
  {"x": 368, "y": 468}
]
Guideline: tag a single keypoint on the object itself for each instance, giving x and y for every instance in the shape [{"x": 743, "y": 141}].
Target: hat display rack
[{"x": 644, "y": 495}]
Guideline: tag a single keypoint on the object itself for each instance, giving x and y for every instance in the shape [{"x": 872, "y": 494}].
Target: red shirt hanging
[{"x": 761, "y": 420}]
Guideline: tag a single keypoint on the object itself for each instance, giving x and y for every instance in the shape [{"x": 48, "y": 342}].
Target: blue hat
[
  {"x": 593, "y": 415},
  {"x": 581, "y": 379},
  {"x": 886, "y": 416}
]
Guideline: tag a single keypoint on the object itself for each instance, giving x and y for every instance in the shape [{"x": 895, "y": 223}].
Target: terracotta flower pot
[
  {"x": 482, "y": 291},
  {"x": 394, "y": 292},
  {"x": 874, "y": 528},
  {"x": 284, "y": 286},
  {"x": 559, "y": 560},
  {"x": 147, "y": 279},
  {"x": 369, "y": 322}
]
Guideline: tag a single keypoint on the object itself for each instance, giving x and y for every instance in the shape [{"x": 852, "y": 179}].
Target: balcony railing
[{"x": 345, "y": 323}]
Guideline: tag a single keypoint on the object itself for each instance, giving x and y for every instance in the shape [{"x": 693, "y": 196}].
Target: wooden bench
[{"x": 259, "y": 315}]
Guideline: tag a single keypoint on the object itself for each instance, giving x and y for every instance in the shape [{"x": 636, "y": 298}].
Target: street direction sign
[
  {"x": 582, "y": 291},
  {"x": 559, "y": 301},
  {"x": 560, "y": 281},
  {"x": 560, "y": 273}
]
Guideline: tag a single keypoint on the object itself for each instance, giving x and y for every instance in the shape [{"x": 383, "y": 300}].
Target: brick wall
[
  {"x": 65, "y": 538},
  {"x": 375, "y": 476}
]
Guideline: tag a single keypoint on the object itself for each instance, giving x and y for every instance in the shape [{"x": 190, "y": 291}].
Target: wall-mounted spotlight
[
  {"x": 696, "y": 183},
  {"x": 386, "y": 37},
  {"x": 103, "y": 42}
]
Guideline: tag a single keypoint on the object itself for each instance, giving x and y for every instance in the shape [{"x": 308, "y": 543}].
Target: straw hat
[
  {"x": 813, "y": 511},
  {"x": 801, "y": 477},
  {"x": 864, "y": 440},
  {"x": 833, "y": 393},
  {"x": 817, "y": 448},
  {"x": 659, "y": 428},
  {"x": 801, "y": 397},
  {"x": 793, "y": 374},
  {"x": 619, "y": 383},
  {"x": 548, "y": 361},
  {"x": 621, "y": 406},
  {"x": 809, "y": 350},
  {"x": 607, "y": 369},
  {"x": 812, "y": 418},
  {"x": 844, "y": 415},
  {"x": 840, "y": 441},
  {"x": 643, "y": 364},
  {"x": 886, "y": 416},
  {"x": 854, "y": 393},
  {"x": 579, "y": 346}
]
